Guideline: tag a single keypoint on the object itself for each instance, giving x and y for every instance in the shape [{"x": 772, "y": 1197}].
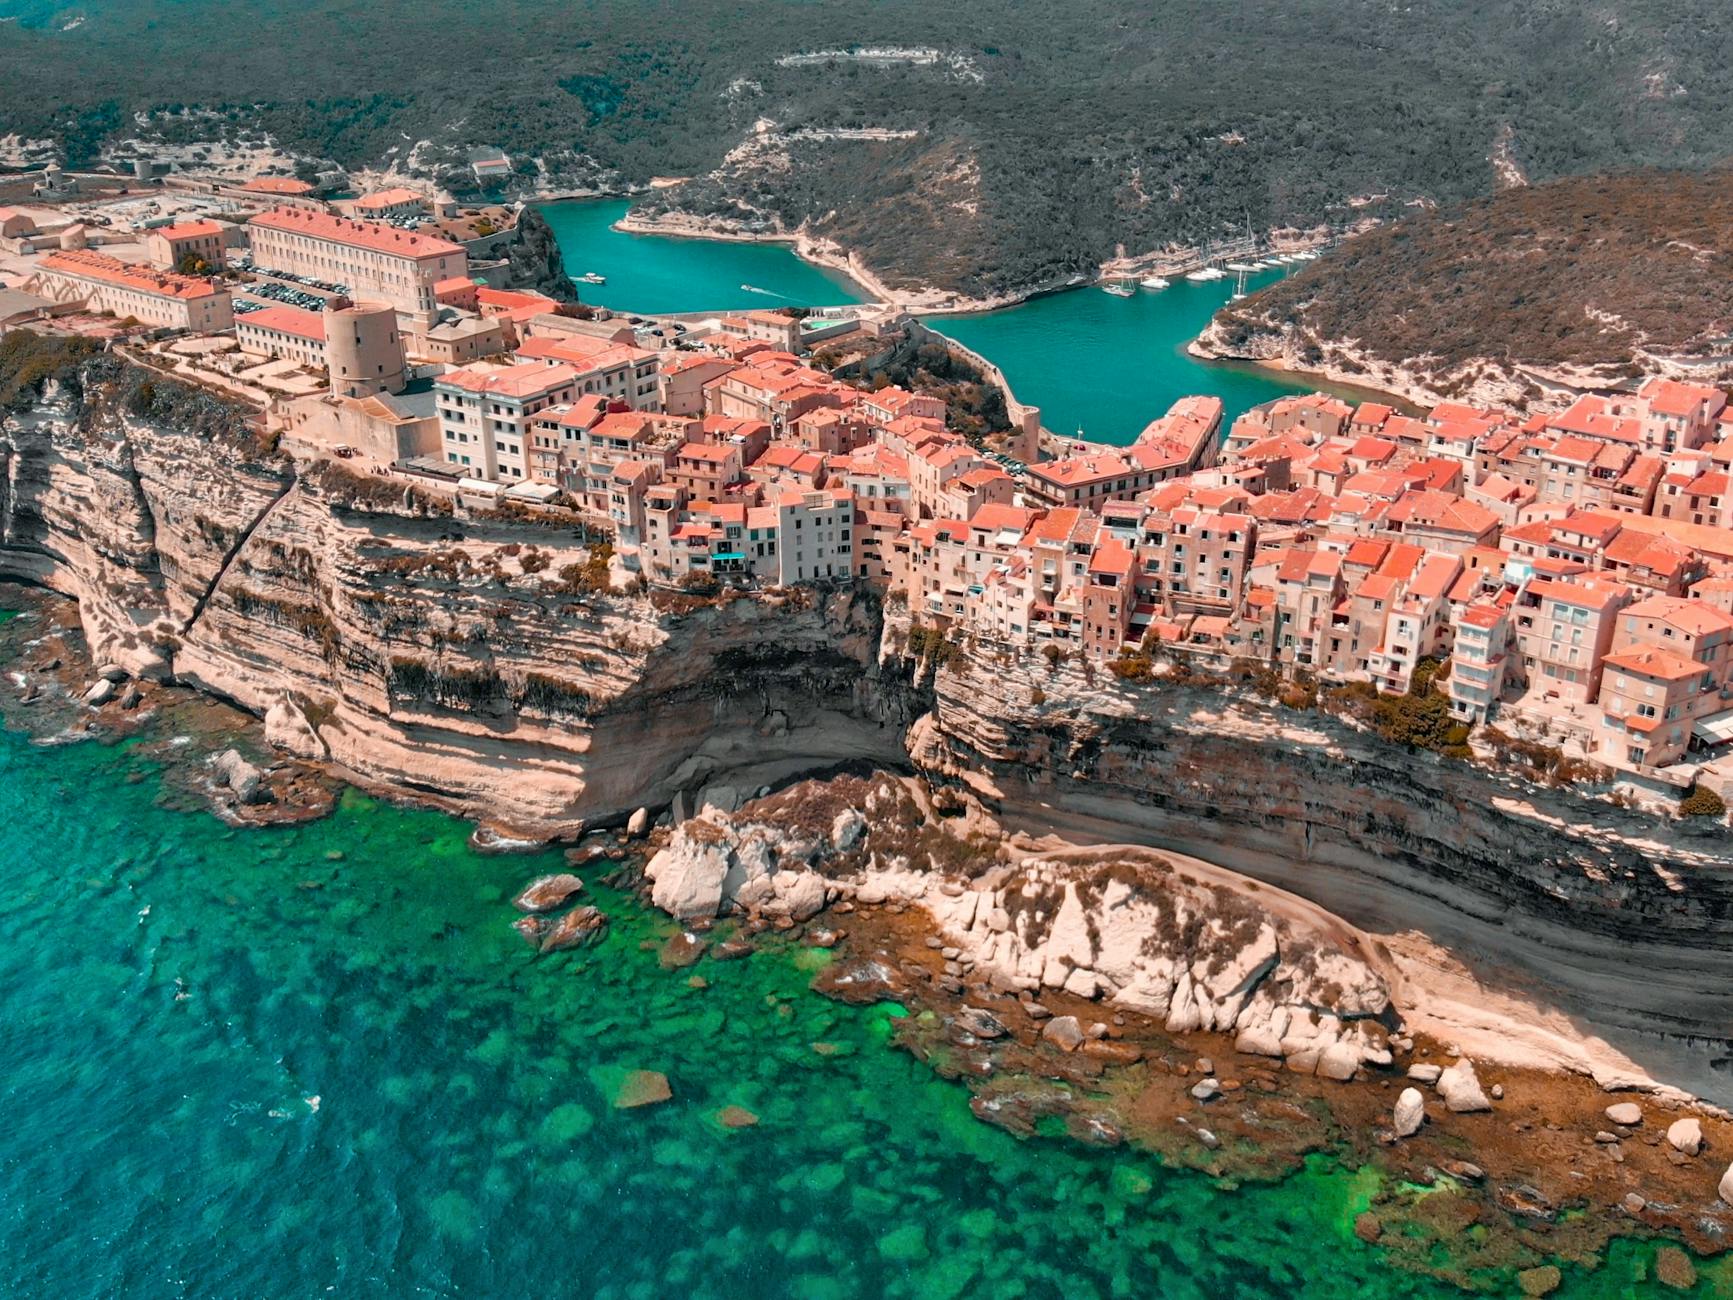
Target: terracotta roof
[
  {"x": 277, "y": 185},
  {"x": 287, "y": 320},
  {"x": 128, "y": 275},
  {"x": 527, "y": 379},
  {"x": 1663, "y": 665},
  {"x": 356, "y": 234}
]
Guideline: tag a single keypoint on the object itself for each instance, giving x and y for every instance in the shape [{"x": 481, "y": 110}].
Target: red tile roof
[{"x": 356, "y": 234}]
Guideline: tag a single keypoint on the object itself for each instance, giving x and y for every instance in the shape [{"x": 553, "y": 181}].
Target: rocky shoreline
[{"x": 1112, "y": 995}]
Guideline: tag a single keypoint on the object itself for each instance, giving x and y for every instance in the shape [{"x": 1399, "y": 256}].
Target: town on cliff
[{"x": 563, "y": 569}]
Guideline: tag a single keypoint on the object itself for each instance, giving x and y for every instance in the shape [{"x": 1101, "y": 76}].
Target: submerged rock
[
  {"x": 681, "y": 950},
  {"x": 531, "y": 927},
  {"x": 547, "y": 892},
  {"x": 642, "y": 1088},
  {"x": 1540, "y": 1281},
  {"x": 1368, "y": 1227},
  {"x": 736, "y": 1117},
  {"x": 578, "y": 928},
  {"x": 1673, "y": 1267}
]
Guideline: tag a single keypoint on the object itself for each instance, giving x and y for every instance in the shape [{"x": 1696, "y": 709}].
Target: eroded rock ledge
[{"x": 1125, "y": 927}]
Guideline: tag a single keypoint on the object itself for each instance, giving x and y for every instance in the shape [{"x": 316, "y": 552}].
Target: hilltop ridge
[
  {"x": 983, "y": 152},
  {"x": 1590, "y": 281}
]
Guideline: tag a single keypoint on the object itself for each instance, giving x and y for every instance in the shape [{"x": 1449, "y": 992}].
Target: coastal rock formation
[
  {"x": 1127, "y": 928},
  {"x": 545, "y": 893},
  {"x": 416, "y": 650},
  {"x": 420, "y": 651},
  {"x": 533, "y": 258},
  {"x": 1559, "y": 893}
]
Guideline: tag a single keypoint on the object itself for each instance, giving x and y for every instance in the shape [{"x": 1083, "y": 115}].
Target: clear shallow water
[
  {"x": 463, "y": 1140},
  {"x": 656, "y": 273}
]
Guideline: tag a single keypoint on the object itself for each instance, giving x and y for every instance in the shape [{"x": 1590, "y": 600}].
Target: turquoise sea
[
  {"x": 1102, "y": 367},
  {"x": 1092, "y": 362},
  {"x": 656, "y": 273},
  {"x": 316, "y": 1060}
]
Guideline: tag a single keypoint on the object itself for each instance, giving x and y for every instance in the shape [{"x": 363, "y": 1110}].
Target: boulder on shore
[
  {"x": 638, "y": 824},
  {"x": 1461, "y": 1090},
  {"x": 1410, "y": 1113},
  {"x": 547, "y": 892},
  {"x": 1627, "y": 1113},
  {"x": 1726, "y": 1187},
  {"x": 100, "y": 694},
  {"x": 1064, "y": 1033},
  {"x": 1686, "y": 1135}
]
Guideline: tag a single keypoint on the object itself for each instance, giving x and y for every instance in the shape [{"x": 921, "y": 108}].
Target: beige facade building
[
  {"x": 168, "y": 246},
  {"x": 288, "y": 332},
  {"x": 372, "y": 261},
  {"x": 159, "y": 298},
  {"x": 485, "y": 415}
]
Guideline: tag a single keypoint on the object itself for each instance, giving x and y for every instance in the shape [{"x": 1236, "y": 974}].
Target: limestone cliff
[
  {"x": 473, "y": 661},
  {"x": 534, "y": 258},
  {"x": 458, "y": 658},
  {"x": 1615, "y": 919}
]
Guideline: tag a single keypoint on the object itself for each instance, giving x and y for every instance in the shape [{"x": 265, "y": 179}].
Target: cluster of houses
[{"x": 1571, "y": 569}]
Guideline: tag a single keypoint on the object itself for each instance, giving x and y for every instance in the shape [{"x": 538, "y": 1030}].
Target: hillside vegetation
[
  {"x": 1611, "y": 274},
  {"x": 1007, "y": 143}
]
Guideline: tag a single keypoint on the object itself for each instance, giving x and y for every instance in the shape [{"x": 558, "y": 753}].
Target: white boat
[
  {"x": 1153, "y": 282},
  {"x": 1307, "y": 256},
  {"x": 1117, "y": 290},
  {"x": 1242, "y": 266},
  {"x": 590, "y": 277},
  {"x": 1207, "y": 274}
]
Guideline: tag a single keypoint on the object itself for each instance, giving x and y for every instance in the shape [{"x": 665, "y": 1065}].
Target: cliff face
[
  {"x": 445, "y": 656},
  {"x": 1614, "y": 919},
  {"x": 535, "y": 260}
]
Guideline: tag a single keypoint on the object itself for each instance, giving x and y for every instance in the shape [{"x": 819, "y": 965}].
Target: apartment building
[{"x": 486, "y": 414}]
